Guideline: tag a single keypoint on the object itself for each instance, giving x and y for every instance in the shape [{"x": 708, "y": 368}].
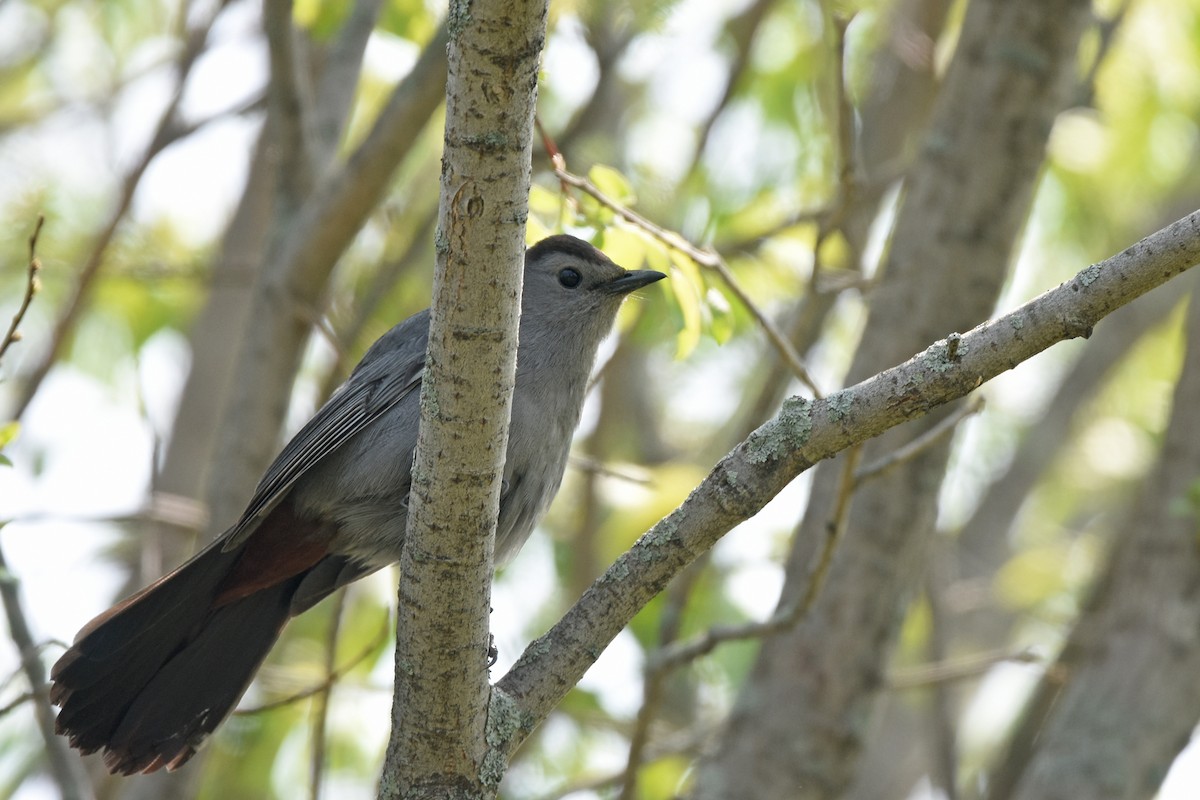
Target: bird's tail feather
[{"x": 150, "y": 678}]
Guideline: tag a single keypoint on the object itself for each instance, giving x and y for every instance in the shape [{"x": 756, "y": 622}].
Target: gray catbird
[{"x": 151, "y": 677}]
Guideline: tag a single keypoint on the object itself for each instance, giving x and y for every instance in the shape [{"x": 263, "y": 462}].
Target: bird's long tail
[
  {"x": 150, "y": 678},
  {"x": 153, "y": 676}
]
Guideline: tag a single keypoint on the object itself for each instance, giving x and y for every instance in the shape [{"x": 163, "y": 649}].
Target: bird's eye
[{"x": 569, "y": 278}]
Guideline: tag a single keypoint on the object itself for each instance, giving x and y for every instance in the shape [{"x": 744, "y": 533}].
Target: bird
[{"x": 149, "y": 679}]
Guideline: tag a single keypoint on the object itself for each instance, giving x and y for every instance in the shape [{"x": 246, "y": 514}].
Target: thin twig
[
  {"x": 652, "y": 699},
  {"x": 832, "y": 221},
  {"x": 32, "y": 284},
  {"x": 320, "y": 714},
  {"x": 19, "y": 701},
  {"x": 290, "y": 100},
  {"x": 790, "y": 613},
  {"x": 596, "y": 784},
  {"x": 690, "y": 649},
  {"x": 957, "y": 669},
  {"x": 597, "y": 467},
  {"x": 689, "y": 744},
  {"x": 64, "y": 768},
  {"x": 941, "y": 708},
  {"x": 1107, "y": 34},
  {"x": 654, "y": 680},
  {"x": 918, "y": 445},
  {"x": 609, "y": 35},
  {"x": 707, "y": 258},
  {"x": 742, "y": 30},
  {"x": 330, "y": 679}
]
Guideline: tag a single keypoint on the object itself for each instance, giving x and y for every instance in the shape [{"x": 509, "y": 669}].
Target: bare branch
[
  {"x": 806, "y": 432},
  {"x": 320, "y": 716},
  {"x": 17, "y": 702},
  {"x": 940, "y": 709},
  {"x": 957, "y": 669},
  {"x": 65, "y": 769},
  {"x": 792, "y": 612},
  {"x": 342, "y": 66},
  {"x": 597, "y": 467},
  {"x": 1106, "y": 35},
  {"x": 290, "y": 97},
  {"x": 742, "y": 29},
  {"x": 167, "y": 131},
  {"x": 32, "y": 285},
  {"x": 914, "y": 448},
  {"x": 331, "y": 678}
]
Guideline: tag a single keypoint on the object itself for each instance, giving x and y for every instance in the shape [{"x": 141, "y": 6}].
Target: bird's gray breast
[{"x": 539, "y": 439}]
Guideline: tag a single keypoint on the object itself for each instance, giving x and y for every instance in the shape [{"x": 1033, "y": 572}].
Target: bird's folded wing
[{"x": 376, "y": 385}]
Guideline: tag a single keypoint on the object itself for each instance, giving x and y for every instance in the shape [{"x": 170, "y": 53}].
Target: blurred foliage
[{"x": 78, "y": 84}]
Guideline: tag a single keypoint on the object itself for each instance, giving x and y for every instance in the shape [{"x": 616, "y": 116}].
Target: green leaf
[
  {"x": 613, "y": 184},
  {"x": 688, "y": 288},
  {"x": 322, "y": 19},
  {"x": 721, "y": 314},
  {"x": 8, "y": 432},
  {"x": 624, "y": 247}
]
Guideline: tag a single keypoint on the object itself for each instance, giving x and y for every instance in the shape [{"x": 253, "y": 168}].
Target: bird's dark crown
[{"x": 568, "y": 245}]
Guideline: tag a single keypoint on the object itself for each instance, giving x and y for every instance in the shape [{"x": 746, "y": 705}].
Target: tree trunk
[{"x": 441, "y": 744}]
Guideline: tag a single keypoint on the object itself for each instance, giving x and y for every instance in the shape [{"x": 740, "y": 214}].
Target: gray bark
[{"x": 441, "y": 743}]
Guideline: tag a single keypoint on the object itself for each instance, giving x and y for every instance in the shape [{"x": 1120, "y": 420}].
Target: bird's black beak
[{"x": 632, "y": 280}]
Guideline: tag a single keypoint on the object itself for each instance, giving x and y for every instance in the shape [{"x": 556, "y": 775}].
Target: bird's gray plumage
[
  {"x": 149, "y": 679},
  {"x": 389, "y": 372}
]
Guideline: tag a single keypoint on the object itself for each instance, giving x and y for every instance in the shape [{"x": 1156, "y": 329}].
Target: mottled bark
[{"x": 442, "y": 742}]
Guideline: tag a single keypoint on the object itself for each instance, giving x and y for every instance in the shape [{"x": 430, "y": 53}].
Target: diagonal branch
[
  {"x": 806, "y": 432},
  {"x": 294, "y": 276},
  {"x": 32, "y": 284}
]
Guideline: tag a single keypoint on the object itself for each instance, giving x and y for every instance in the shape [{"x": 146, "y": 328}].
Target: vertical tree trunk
[{"x": 439, "y": 745}]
